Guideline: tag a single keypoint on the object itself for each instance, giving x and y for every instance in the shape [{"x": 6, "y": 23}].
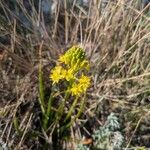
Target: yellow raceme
[
  {"x": 74, "y": 58},
  {"x": 69, "y": 65}
]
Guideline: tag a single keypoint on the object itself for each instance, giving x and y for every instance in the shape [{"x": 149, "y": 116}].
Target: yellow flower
[
  {"x": 76, "y": 89},
  {"x": 84, "y": 79},
  {"x": 80, "y": 87},
  {"x": 69, "y": 75},
  {"x": 57, "y": 74},
  {"x": 84, "y": 82},
  {"x": 85, "y": 64},
  {"x": 63, "y": 59}
]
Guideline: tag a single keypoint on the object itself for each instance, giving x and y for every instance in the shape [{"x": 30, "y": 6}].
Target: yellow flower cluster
[
  {"x": 69, "y": 65},
  {"x": 75, "y": 58},
  {"x": 81, "y": 86},
  {"x": 57, "y": 74}
]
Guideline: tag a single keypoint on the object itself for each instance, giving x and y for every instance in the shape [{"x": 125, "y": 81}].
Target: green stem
[
  {"x": 62, "y": 105},
  {"x": 16, "y": 124},
  {"x": 71, "y": 109},
  {"x": 41, "y": 90},
  {"x": 47, "y": 116},
  {"x": 78, "y": 114},
  {"x": 80, "y": 110}
]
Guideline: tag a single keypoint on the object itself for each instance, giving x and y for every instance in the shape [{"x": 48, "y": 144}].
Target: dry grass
[{"x": 116, "y": 42}]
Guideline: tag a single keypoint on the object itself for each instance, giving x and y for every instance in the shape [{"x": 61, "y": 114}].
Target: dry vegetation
[{"x": 117, "y": 44}]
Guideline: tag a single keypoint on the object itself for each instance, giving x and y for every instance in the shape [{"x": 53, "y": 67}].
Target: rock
[{"x": 146, "y": 2}]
